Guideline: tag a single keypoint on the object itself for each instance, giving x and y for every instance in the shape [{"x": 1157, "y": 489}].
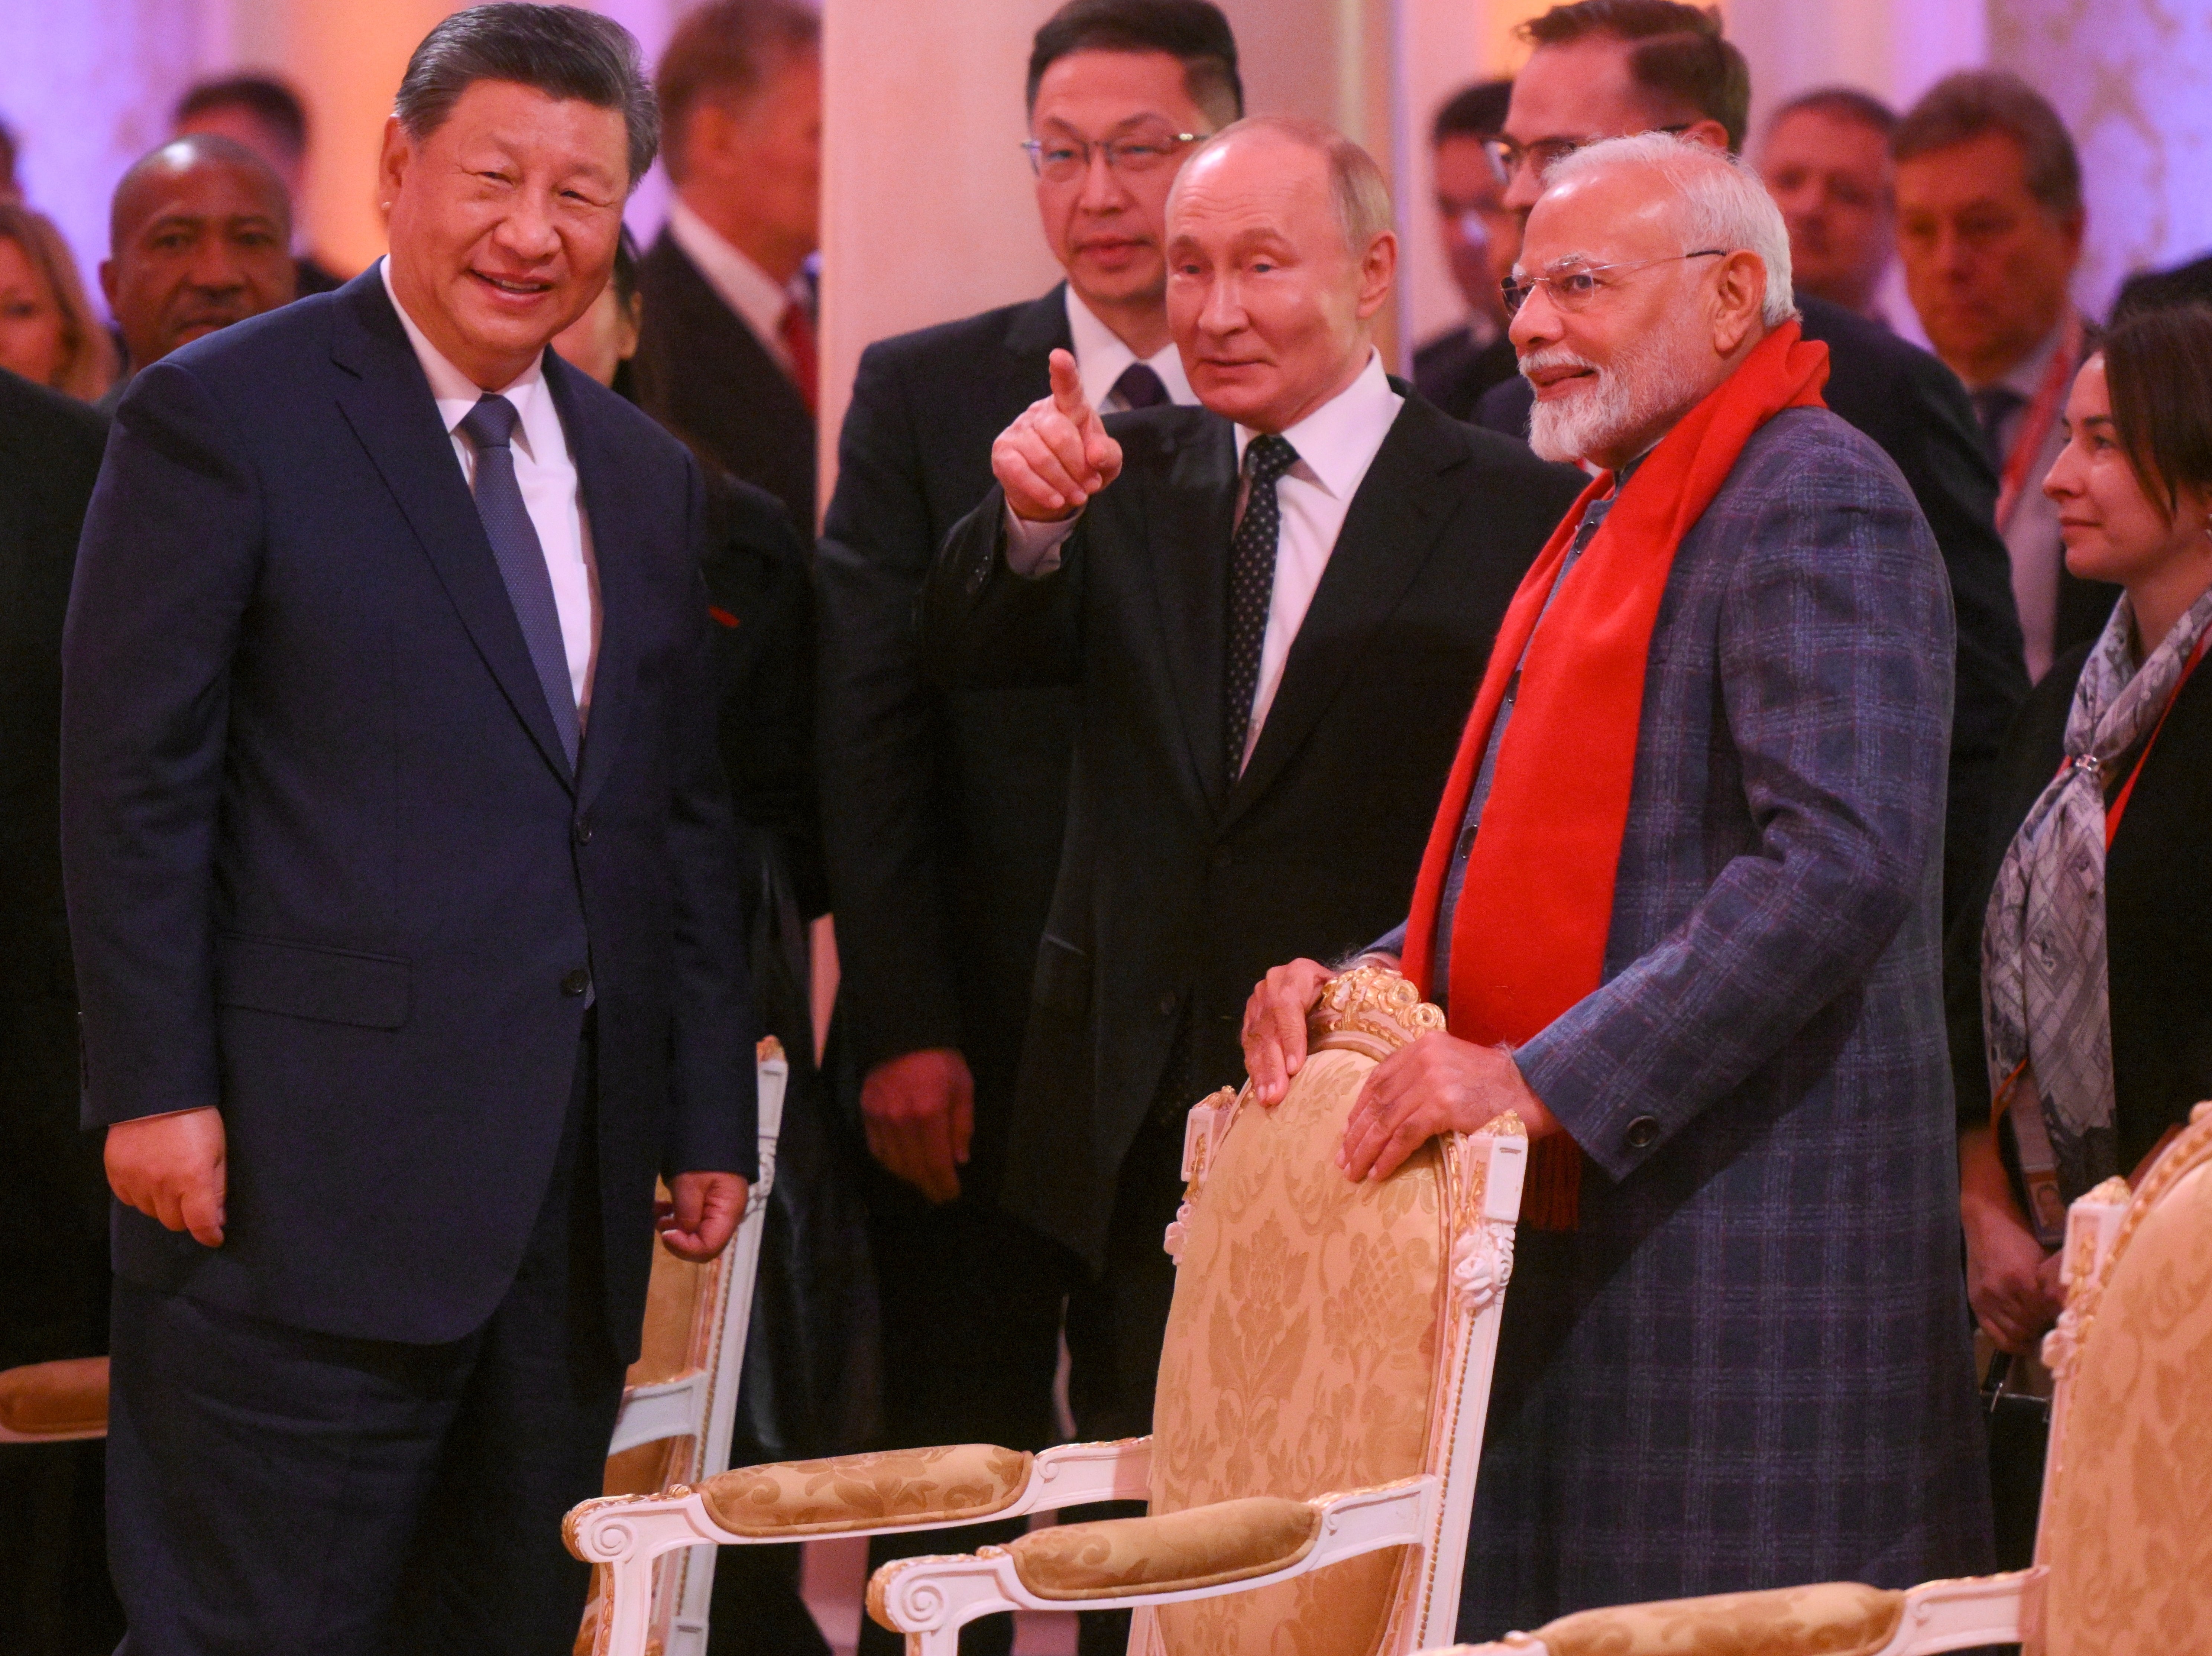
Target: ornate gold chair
[
  {"x": 1317, "y": 1423},
  {"x": 2124, "y": 1548}
]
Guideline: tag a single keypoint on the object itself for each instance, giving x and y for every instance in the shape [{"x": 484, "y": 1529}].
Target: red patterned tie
[{"x": 798, "y": 330}]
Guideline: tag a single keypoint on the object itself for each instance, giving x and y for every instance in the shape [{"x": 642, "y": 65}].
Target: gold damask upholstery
[
  {"x": 2127, "y": 1518},
  {"x": 68, "y": 1398},
  {"x": 962, "y": 1483},
  {"x": 1301, "y": 1351},
  {"x": 1837, "y": 1618},
  {"x": 1203, "y": 1547}
]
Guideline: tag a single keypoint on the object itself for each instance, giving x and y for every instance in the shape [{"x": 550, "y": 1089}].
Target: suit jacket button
[
  {"x": 1221, "y": 858},
  {"x": 583, "y": 832},
  {"x": 1167, "y": 1003},
  {"x": 1642, "y": 1133},
  {"x": 576, "y": 982}
]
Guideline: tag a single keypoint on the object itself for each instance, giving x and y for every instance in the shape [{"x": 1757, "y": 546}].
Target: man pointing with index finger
[{"x": 1057, "y": 454}]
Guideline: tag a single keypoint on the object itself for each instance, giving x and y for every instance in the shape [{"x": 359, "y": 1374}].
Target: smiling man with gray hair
[{"x": 1680, "y": 905}]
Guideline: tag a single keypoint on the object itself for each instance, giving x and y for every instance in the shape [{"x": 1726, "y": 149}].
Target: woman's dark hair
[
  {"x": 2158, "y": 366},
  {"x": 1193, "y": 30},
  {"x": 563, "y": 52}
]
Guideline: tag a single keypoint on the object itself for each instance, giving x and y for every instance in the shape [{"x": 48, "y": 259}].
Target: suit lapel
[
  {"x": 604, "y": 489},
  {"x": 1388, "y": 535},
  {"x": 1188, "y": 520},
  {"x": 1038, "y": 329},
  {"x": 388, "y": 403}
]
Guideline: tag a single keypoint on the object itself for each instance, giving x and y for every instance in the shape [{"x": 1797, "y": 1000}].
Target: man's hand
[
  {"x": 172, "y": 1168},
  {"x": 1440, "y": 1084},
  {"x": 1056, "y": 454},
  {"x": 700, "y": 1222},
  {"x": 919, "y": 1110},
  {"x": 1275, "y": 1027},
  {"x": 2010, "y": 1282}
]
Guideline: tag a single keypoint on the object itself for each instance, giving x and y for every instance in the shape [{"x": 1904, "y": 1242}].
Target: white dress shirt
[
  {"x": 547, "y": 478},
  {"x": 1102, "y": 358},
  {"x": 2032, "y": 536},
  {"x": 757, "y": 298},
  {"x": 1336, "y": 443}
]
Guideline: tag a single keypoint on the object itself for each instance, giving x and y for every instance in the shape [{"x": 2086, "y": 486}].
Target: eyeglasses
[
  {"x": 1509, "y": 157},
  {"x": 1061, "y": 160},
  {"x": 1572, "y": 290}
]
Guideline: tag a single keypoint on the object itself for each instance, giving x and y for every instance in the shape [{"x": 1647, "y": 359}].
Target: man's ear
[
  {"x": 108, "y": 283},
  {"x": 1738, "y": 298},
  {"x": 1378, "y": 268},
  {"x": 391, "y": 163}
]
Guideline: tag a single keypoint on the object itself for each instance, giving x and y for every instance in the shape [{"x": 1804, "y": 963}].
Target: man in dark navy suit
[
  {"x": 1607, "y": 69},
  {"x": 402, "y": 891}
]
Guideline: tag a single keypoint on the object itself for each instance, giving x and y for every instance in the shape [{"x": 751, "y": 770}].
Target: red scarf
[{"x": 1529, "y": 934}]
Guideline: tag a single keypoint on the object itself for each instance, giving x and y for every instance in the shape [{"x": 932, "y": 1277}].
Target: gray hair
[
  {"x": 563, "y": 52},
  {"x": 1719, "y": 202},
  {"x": 1357, "y": 187}
]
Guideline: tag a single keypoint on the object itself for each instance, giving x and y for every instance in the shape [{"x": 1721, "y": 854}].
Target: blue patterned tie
[
  {"x": 490, "y": 425},
  {"x": 1251, "y": 590}
]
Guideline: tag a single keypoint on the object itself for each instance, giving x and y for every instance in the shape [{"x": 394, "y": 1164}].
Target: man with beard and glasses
[{"x": 1680, "y": 906}]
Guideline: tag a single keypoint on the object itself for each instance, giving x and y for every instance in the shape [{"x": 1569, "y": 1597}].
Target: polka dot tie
[{"x": 1251, "y": 590}]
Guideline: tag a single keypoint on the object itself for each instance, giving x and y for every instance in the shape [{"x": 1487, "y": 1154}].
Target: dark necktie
[
  {"x": 521, "y": 559},
  {"x": 1993, "y": 406},
  {"x": 797, "y": 331},
  {"x": 1251, "y": 590},
  {"x": 1139, "y": 387}
]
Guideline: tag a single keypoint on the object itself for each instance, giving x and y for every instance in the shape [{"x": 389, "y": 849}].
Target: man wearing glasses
[
  {"x": 1609, "y": 68},
  {"x": 943, "y": 814}
]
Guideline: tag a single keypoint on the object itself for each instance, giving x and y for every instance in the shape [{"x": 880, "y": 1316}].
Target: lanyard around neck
[{"x": 2042, "y": 414}]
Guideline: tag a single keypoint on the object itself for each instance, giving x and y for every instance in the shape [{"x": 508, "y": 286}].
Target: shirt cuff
[{"x": 1033, "y": 548}]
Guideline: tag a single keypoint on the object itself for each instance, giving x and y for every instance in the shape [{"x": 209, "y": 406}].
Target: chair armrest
[
  {"x": 54, "y": 1402},
  {"x": 1835, "y": 1618}
]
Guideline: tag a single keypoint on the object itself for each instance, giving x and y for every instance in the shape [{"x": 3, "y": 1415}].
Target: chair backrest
[
  {"x": 2126, "y": 1530},
  {"x": 1321, "y": 1336},
  {"x": 680, "y": 1397}
]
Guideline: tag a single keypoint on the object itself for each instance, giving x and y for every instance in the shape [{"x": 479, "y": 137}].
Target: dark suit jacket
[
  {"x": 1175, "y": 898},
  {"x": 328, "y": 869},
  {"x": 2158, "y": 913},
  {"x": 53, "y": 1197},
  {"x": 1916, "y": 409},
  {"x": 1453, "y": 372},
  {"x": 943, "y": 810},
  {"x": 701, "y": 373}
]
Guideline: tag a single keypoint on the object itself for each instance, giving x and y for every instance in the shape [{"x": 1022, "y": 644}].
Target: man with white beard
[{"x": 1681, "y": 907}]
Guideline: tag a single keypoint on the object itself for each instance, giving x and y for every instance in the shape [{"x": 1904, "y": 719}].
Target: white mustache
[{"x": 1536, "y": 362}]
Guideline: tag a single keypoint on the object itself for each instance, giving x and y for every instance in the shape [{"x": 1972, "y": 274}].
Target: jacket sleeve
[
  {"x": 1834, "y": 659},
  {"x": 714, "y": 1113},
  {"x": 983, "y": 625},
  {"x": 167, "y": 566}
]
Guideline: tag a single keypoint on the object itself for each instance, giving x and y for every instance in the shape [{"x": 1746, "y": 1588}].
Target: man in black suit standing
[
  {"x": 943, "y": 813},
  {"x": 54, "y": 1204},
  {"x": 404, "y": 894},
  {"x": 1252, "y": 600},
  {"x": 1482, "y": 240},
  {"x": 726, "y": 353},
  {"x": 1607, "y": 69}
]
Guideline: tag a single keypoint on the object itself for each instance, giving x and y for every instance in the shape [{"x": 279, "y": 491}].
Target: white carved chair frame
[
  {"x": 1936, "y": 1615},
  {"x": 929, "y": 1598}
]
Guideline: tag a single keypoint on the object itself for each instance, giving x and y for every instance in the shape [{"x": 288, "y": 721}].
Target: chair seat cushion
[
  {"x": 959, "y": 1484},
  {"x": 60, "y": 1399},
  {"x": 1199, "y": 1547},
  {"x": 1835, "y": 1618}
]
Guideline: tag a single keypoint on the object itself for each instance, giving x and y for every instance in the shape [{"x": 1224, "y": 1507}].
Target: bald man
[
  {"x": 1252, "y": 596},
  {"x": 199, "y": 236}
]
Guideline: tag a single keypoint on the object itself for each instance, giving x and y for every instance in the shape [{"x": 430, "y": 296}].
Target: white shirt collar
[
  {"x": 1101, "y": 358},
  {"x": 746, "y": 289},
  {"x": 2025, "y": 376},
  {"x": 456, "y": 393},
  {"x": 1337, "y": 442}
]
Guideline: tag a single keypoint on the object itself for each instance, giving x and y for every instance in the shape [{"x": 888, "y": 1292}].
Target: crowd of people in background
[{"x": 1049, "y": 914}]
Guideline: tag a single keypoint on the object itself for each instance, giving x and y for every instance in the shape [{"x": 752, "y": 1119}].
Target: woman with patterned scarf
[{"x": 2081, "y": 994}]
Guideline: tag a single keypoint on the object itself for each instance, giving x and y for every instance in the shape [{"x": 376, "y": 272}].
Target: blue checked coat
[{"x": 1750, "y": 1366}]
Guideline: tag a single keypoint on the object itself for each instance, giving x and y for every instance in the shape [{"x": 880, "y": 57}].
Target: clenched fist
[{"x": 1056, "y": 454}]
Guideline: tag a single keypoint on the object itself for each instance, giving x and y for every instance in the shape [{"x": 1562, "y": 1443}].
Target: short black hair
[
  {"x": 563, "y": 52},
  {"x": 266, "y": 98},
  {"x": 1842, "y": 103},
  {"x": 1962, "y": 108},
  {"x": 2158, "y": 364},
  {"x": 7, "y": 155},
  {"x": 1473, "y": 111},
  {"x": 1679, "y": 53},
  {"x": 1192, "y": 31}
]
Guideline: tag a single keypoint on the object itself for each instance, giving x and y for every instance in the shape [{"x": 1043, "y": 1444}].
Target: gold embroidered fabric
[
  {"x": 2127, "y": 1526},
  {"x": 1300, "y": 1354},
  {"x": 57, "y": 1397},
  {"x": 963, "y": 1483},
  {"x": 672, "y": 1297},
  {"x": 1201, "y": 1548},
  {"x": 1835, "y": 1618}
]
